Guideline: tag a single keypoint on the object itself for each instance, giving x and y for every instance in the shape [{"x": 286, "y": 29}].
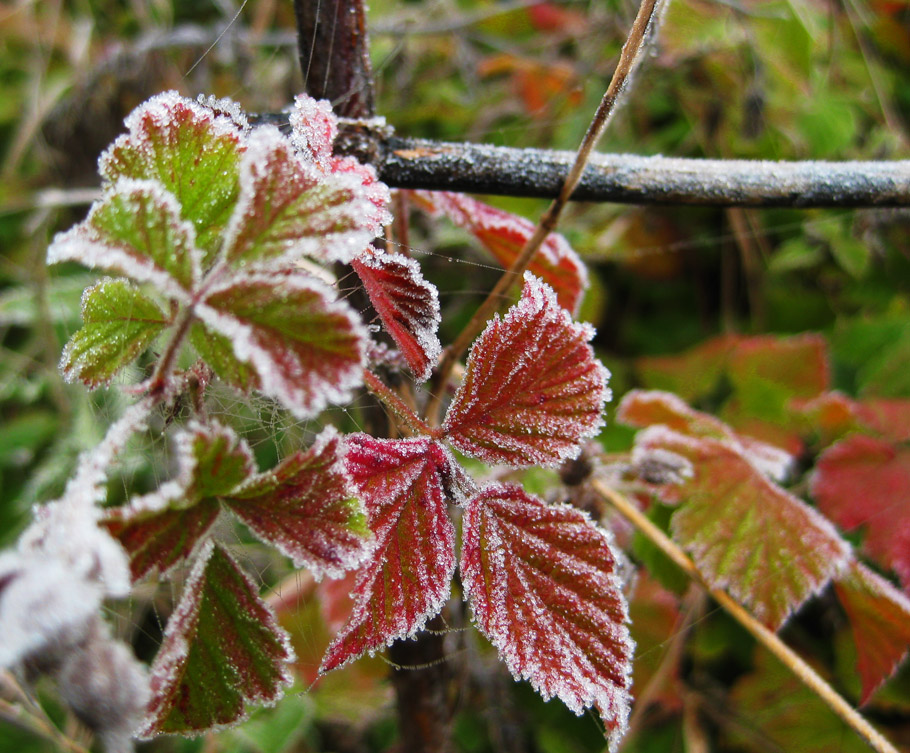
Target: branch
[
  {"x": 633, "y": 179},
  {"x": 762, "y": 634}
]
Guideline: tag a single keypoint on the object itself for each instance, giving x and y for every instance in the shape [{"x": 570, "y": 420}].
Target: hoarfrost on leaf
[
  {"x": 532, "y": 390},
  {"x": 543, "y": 586}
]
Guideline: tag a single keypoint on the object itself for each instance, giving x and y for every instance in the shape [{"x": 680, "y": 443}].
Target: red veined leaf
[
  {"x": 167, "y": 134},
  {"x": 769, "y": 549},
  {"x": 402, "y": 485},
  {"x": 532, "y": 389},
  {"x": 879, "y": 616},
  {"x": 135, "y": 230},
  {"x": 160, "y": 529},
  {"x": 504, "y": 235},
  {"x": 690, "y": 374},
  {"x": 407, "y": 304},
  {"x": 543, "y": 587},
  {"x": 306, "y": 508},
  {"x": 223, "y": 650},
  {"x": 119, "y": 323},
  {"x": 307, "y": 349},
  {"x": 643, "y": 408},
  {"x": 864, "y": 481},
  {"x": 288, "y": 206}
]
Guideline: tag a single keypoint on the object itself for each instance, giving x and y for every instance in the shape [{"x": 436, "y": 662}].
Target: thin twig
[
  {"x": 628, "y": 59},
  {"x": 762, "y": 634}
]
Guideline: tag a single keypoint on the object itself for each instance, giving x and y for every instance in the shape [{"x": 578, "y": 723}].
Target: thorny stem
[
  {"x": 396, "y": 404},
  {"x": 628, "y": 58},
  {"x": 762, "y": 634}
]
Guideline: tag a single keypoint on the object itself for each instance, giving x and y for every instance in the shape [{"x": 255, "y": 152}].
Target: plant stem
[
  {"x": 628, "y": 58},
  {"x": 762, "y": 634},
  {"x": 396, "y": 404}
]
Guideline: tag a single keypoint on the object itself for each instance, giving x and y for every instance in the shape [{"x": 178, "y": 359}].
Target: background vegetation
[{"x": 771, "y": 79}]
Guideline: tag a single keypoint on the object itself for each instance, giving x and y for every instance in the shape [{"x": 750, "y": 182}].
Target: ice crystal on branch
[
  {"x": 407, "y": 304},
  {"x": 402, "y": 483},
  {"x": 532, "y": 389},
  {"x": 543, "y": 587}
]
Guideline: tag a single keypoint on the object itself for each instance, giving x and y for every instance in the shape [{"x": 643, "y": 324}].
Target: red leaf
[
  {"x": 504, "y": 235},
  {"x": 643, "y": 408},
  {"x": 769, "y": 549},
  {"x": 407, "y": 304},
  {"x": 223, "y": 650},
  {"x": 863, "y": 481},
  {"x": 879, "y": 616},
  {"x": 543, "y": 587},
  {"x": 402, "y": 483},
  {"x": 306, "y": 509},
  {"x": 306, "y": 348},
  {"x": 532, "y": 388}
]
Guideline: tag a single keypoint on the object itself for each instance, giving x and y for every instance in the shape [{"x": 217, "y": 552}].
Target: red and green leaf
[
  {"x": 879, "y": 616},
  {"x": 769, "y": 549},
  {"x": 118, "y": 323},
  {"x": 543, "y": 587},
  {"x": 288, "y": 206},
  {"x": 160, "y": 529},
  {"x": 505, "y": 234},
  {"x": 402, "y": 483},
  {"x": 532, "y": 389},
  {"x": 136, "y": 230},
  {"x": 407, "y": 304},
  {"x": 217, "y": 352},
  {"x": 306, "y": 349},
  {"x": 865, "y": 481},
  {"x": 306, "y": 509},
  {"x": 223, "y": 651},
  {"x": 192, "y": 151}
]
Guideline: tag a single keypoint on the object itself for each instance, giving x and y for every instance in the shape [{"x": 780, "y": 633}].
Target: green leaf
[
  {"x": 120, "y": 322},
  {"x": 191, "y": 150},
  {"x": 223, "y": 650},
  {"x": 215, "y": 349}
]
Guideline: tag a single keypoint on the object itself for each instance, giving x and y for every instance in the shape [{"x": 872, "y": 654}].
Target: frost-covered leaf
[
  {"x": 313, "y": 130},
  {"x": 769, "y": 549},
  {"x": 879, "y": 616},
  {"x": 643, "y": 408},
  {"x": 136, "y": 230},
  {"x": 532, "y": 389},
  {"x": 306, "y": 508},
  {"x": 864, "y": 481},
  {"x": 215, "y": 349},
  {"x": 288, "y": 206},
  {"x": 307, "y": 350},
  {"x": 161, "y": 529},
  {"x": 119, "y": 323},
  {"x": 223, "y": 650},
  {"x": 504, "y": 235},
  {"x": 543, "y": 587},
  {"x": 407, "y": 304},
  {"x": 402, "y": 483},
  {"x": 190, "y": 149}
]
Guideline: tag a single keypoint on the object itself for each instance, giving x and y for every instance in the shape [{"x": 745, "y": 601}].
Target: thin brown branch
[
  {"x": 628, "y": 60},
  {"x": 762, "y": 634}
]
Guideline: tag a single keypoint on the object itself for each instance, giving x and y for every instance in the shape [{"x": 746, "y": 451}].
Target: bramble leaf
[
  {"x": 313, "y": 130},
  {"x": 402, "y": 483},
  {"x": 288, "y": 206},
  {"x": 216, "y": 350},
  {"x": 119, "y": 323},
  {"x": 192, "y": 150},
  {"x": 643, "y": 408},
  {"x": 504, "y": 235},
  {"x": 306, "y": 349},
  {"x": 769, "y": 549},
  {"x": 306, "y": 509},
  {"x": 543, "y": 587},
  {"x": 135, "y": 230},
  {"x": 532, "y": 389},
  {"x": 160, "y": 529},
  {"x": 879, "y": 616},
  {"x": 407, "y": 304},
  {"x": 863, "y": 481},
  {"x": 223, "y": 650}
]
